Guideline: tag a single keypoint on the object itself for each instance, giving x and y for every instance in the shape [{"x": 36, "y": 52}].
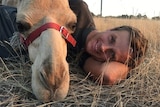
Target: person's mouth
[{"x": 95, "y": 48}]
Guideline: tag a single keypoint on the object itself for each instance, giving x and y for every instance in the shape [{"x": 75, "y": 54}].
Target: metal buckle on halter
[
  {"x": 64, "y": 36},
  {"x": 61, "y": 28}
]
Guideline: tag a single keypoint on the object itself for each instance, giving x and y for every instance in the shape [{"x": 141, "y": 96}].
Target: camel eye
[
  {"x": 72, "y": 26},
  {"x": 23, "y": 26}
]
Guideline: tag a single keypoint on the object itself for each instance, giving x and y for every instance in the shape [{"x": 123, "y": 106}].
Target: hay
[{"x": 140, "y": 89}]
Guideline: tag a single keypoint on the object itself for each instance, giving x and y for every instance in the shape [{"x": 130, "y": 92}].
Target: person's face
[{"x": 109, "y": 45}]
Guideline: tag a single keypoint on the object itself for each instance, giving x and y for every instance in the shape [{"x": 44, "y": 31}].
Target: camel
[{"x": 48, "y": 47}]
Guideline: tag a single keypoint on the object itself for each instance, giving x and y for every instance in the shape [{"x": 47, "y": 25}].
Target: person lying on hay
[{"x": 110, "y": 54}]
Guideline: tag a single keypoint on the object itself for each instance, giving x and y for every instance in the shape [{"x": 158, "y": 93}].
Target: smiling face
[{"x": 108, "y": 45}]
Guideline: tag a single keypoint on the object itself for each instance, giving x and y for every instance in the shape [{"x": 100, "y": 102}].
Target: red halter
[{"x": 35, "y": 34}]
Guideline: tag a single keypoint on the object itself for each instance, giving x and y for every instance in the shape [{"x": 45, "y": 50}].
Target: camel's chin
[
  {"x": 45, "y": 95},
  {"x": 51, "y": 94}
]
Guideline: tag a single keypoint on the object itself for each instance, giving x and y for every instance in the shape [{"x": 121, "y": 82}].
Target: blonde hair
[{"x": 138, "y": 44}]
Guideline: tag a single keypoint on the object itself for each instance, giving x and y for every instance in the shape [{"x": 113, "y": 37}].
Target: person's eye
[
  {"x": 111, "y": 54},
  {"x": 112, "y": 39}
]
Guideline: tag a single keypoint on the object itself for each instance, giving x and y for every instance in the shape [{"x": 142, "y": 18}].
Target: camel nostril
[
  {"x": 23, "y": 26},
  {"x": 44, "y": 79}
]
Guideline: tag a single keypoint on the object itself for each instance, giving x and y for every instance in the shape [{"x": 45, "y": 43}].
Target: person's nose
[{"x": 104, "y": 48}]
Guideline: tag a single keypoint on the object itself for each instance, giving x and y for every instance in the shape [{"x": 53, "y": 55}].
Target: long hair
[{"x": 138, "y": 44}]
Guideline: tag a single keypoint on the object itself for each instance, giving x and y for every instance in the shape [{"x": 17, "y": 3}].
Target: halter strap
[{"x": 35, "y": 34}]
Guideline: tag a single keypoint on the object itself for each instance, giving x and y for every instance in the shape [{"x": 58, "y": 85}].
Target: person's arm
[{"x": 110, "y": 73}]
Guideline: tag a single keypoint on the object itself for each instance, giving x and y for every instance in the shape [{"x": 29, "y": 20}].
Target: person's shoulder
[
  {"x": 74, "y": 1},
  {"x": 79, "y": 2}
]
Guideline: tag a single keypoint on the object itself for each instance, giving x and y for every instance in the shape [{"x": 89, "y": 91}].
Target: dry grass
[{"x": 141, "y": 89}]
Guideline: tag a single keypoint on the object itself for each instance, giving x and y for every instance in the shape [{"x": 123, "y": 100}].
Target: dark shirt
[
  {"x": 7, "y": 28},
  {"x": 7, "y": 22},
  {"x": 85, "y": 25}
]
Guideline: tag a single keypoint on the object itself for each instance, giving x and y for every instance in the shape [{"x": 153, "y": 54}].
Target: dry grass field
[{"x": 141, "y": 89}]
